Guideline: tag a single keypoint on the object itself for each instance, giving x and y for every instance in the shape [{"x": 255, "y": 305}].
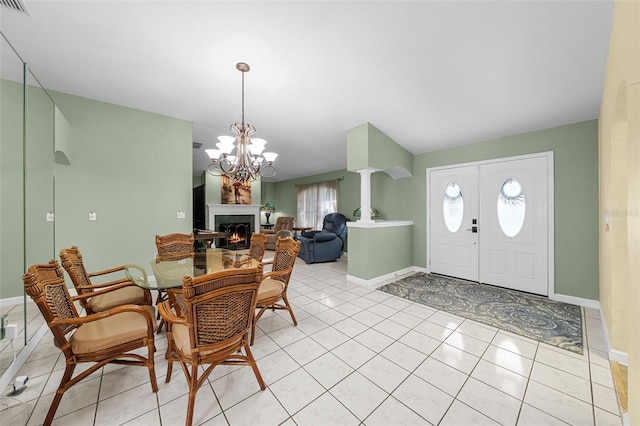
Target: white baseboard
[
  {"x": 586, "y": 303},
  {"x": 618, "y": 356},
  {"x": 613, "y": 354},
  {"x": 378, "y": 280},
  {"x": 10, "y": 301}
]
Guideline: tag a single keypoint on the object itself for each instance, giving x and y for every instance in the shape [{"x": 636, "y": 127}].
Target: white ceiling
[{"x": 429, "y": 74}]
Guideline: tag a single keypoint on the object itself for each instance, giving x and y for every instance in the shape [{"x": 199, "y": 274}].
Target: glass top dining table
[{"x": 170, "y": 273}]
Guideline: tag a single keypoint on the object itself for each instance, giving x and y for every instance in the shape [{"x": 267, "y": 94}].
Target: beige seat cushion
[
  {"x": 270, "y": 288},
  {"x": 123, "y": 296},
  {"x": 111, "y": 331},
  {"x": 181, "y": 338}
]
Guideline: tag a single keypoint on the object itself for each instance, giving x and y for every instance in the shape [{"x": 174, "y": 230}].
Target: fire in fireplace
[{"x": 237, "y": 235}]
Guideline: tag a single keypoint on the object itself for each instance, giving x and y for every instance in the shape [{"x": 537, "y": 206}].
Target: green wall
[
  {"x": 39, "y": 172},
  {"x": 358, "y": 147},
  {"x": 11, "y": 194},
  {"x": 285, "y": 194},
  {"x": 374, "y": 252},
  {"x": 369, "y": 148},
  {"x": 575, "y": 149},
  {"x": 27, "y": 187},
  {"x": 133, "y": 168}
]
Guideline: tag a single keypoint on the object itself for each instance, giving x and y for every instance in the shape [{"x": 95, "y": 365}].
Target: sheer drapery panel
[{"x": 315, "y": 201}]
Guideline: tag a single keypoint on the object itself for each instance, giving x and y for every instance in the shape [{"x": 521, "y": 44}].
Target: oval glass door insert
[
  {"x": 511, "y": 207},
  {"x": 453, "y": 207}
]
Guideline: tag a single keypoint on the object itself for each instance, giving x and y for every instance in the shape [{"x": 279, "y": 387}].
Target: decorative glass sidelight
[
  {"x": 511, "y": 207},
  {"x": 453, "y": 207}
]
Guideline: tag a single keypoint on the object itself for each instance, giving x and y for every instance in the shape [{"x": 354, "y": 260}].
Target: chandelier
[{"x": 248, "y": 161}]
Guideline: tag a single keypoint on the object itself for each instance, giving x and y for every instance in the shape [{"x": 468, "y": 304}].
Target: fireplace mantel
[{"x": 234, "y": 209}]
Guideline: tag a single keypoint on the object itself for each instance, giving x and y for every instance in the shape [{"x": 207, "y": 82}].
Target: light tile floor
[
  {"x": 16, "y": 315},
  {"x": 357, "y": 357}
]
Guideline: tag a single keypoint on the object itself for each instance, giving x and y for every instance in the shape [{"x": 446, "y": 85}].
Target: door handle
[{"x": 473, "y": 229}]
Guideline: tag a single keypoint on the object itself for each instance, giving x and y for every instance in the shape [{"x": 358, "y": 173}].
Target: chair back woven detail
[
  {"x": 258, "y": 246},
  {"x": 222, "y": 317},
  {"x": 284, "y": 258},
  {"x": 73, "y": 264},
  {"x": 174, "y": 246},
  {"x": 46, "y": 286}
]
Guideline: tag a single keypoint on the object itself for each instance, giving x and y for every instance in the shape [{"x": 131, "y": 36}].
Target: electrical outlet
[{"x": 11, "y": 331}]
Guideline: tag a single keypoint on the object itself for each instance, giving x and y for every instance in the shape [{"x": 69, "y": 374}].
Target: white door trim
[{"x": 550, "y": 208}]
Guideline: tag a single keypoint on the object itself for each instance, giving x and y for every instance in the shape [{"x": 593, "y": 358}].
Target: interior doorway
[{"x": 492, "y": 222}]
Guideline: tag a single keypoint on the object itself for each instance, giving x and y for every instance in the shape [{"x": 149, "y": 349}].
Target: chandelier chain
[{"x": 243, "y": 98}]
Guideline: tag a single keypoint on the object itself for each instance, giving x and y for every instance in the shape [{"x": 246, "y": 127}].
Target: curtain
[{"x": 315, "y": 201}]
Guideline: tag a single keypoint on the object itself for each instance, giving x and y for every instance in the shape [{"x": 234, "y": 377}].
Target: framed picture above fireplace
[{"x": 234, "y": 192}]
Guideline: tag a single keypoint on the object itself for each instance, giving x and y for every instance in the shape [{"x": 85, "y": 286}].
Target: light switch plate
[
  {"x": 50, "y": 217},
  {"x": 181, "y": 214},
  {"x": 92, "y": 216}
]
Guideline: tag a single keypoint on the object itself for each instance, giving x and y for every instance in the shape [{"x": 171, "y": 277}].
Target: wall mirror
[{"x": 27, "y": 226}]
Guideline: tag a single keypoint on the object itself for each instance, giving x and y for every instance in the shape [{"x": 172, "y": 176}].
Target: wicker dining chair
[
  {"x": 273, "y": 289},
  {"x": 121, "y": 290},
  {"x": 258, "y": 246},
  {"x": 172, "y": 247},
  {"x": 210, "y": 325},
  {"x": 113, "y": 336}
]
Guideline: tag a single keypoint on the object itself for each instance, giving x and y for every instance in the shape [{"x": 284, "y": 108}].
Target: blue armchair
[{"x": 325, "y": 245}]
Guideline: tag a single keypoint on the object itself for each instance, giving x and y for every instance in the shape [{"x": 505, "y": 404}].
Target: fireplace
[
  {"x": 237, "y": 221},
  {"x": 237, "y": 230}
]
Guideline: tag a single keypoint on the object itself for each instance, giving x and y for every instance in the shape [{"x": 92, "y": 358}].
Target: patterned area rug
[{"x": 555, "y": 323}]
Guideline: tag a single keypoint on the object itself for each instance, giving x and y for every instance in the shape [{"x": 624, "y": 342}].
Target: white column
[{"x": 365, "y": 195}]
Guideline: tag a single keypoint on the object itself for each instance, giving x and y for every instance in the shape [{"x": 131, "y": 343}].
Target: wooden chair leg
[
  {"x": 68, "y": 372},
  {"x": 254, "y": 366},
  {"x": 169, "y": 354},
  {"x": 162, "y": 296},
  {"x": 286, "y": 303},
  {"x": 193, "y": 388},
  {"x": 152, "y": 369},
  {"x": 253, "y": 324},
  {"x": 159, "y": 299}
]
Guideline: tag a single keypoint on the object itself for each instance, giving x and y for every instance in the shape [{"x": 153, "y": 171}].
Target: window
[{"x": 315, "y": 201}]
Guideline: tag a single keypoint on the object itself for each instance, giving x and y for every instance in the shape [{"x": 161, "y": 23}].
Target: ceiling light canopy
[{"x": 241, "y": 157}]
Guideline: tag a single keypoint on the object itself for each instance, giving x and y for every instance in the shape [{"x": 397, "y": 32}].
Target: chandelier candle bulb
[{"x": 249, "y": 162}]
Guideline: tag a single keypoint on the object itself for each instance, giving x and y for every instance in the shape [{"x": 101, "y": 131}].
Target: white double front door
[{"x": 489, "y": 222}]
